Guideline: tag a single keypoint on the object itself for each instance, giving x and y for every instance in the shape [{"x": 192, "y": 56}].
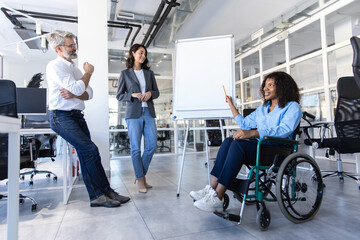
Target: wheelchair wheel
[
  {"x": 263, "y": 218},
  {"x": 299, "y": 187}
]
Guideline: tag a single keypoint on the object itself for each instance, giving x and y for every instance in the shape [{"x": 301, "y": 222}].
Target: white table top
[{"x": 9, "y": 124}]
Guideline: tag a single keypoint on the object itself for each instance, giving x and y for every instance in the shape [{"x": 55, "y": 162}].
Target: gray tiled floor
[{"x": 159, "y": 214}]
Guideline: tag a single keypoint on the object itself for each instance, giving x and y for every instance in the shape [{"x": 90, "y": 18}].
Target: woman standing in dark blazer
[{"x": 138, "y": 88}]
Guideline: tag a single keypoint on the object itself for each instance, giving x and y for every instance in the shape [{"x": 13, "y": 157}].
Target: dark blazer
[{"x": 128, "y": 84}]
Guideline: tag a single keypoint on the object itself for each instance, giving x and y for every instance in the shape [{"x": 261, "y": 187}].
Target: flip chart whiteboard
[{"x": 202, "y": 67}]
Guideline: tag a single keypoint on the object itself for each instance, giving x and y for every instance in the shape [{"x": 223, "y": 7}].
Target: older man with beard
[{"x": 68, "y": 89}]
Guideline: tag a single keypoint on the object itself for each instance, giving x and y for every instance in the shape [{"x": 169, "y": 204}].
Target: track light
[
  {"x": 38, "y": 27},
  {"x": 18, "y": 50},
  {"x": 43, "y": 42}
]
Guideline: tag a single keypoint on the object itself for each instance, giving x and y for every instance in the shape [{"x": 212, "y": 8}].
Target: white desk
[
  {"x": 11, "y": 126},
  {"x": 68, "y": 179}
]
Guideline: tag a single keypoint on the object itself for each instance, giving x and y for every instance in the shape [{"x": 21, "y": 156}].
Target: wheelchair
[{"x": 281, "y": 174}]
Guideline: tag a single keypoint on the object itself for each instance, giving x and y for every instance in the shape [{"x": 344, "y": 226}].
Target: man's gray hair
[{"x": 57, "y": 38}]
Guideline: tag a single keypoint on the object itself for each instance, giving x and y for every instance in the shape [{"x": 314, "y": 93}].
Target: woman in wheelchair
[{"x": 279, "y": 116}]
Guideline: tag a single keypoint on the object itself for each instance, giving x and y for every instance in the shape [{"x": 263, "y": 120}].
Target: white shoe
[
  {"x": 210, "y": 203},
  {"x": 197, "y": 195}
]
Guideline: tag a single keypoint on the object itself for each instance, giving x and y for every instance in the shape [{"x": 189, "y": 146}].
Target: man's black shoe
[
  {"x": 115, "y": 196},
  {"x": 104, "y": 201}
]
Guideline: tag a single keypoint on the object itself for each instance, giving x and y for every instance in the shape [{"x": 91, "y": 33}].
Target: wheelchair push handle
[{"x": 308, "y": 115}]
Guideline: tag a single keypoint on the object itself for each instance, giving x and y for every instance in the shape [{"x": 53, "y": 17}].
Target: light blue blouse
[{"x": 280, "y": 122}]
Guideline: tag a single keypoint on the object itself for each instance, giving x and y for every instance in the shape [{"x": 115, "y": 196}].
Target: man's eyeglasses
[{"x": 71, "y": 45}]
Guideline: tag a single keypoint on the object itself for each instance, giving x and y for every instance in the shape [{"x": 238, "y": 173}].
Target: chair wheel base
[{"x": 33, "y": 207}]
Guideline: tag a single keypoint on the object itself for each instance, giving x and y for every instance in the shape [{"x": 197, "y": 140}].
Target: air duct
[{"x": 171, "y": 4}]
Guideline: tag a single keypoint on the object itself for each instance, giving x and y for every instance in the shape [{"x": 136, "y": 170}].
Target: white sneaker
[
  {"x": 210, "y": 203},
  {"x": 197, "y": 195}
]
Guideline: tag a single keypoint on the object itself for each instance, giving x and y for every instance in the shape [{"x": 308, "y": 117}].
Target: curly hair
[
  {"x": 286, "y": 88},
  {"x": 130, "y": 60}
]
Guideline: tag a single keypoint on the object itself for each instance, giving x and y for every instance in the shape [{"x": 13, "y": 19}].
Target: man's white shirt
[{"x": 62, "y": 74}]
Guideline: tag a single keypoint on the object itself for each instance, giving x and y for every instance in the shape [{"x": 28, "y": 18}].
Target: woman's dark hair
[
  {"x": 130, "y": 59},
  {"x": 286, "y": 88}
]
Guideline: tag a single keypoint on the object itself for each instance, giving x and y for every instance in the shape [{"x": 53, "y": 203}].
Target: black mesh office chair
[
  {"x": 8, "y": 108},
  {"x": 44, "y": 144},
  {"x": 346, "y": 122},
  {"x": 355, "y": 42},
  {"x": 215, "y": 136},
  {"x": 122, "y": 140},
  {"x": 162, "y": 137}
]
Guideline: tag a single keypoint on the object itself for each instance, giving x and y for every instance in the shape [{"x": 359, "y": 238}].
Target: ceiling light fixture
[
  {"x": 38, "y": 27},
  {"x": 18, "y": 50}
]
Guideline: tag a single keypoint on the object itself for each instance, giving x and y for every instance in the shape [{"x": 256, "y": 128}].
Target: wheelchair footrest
[
  {"x": 228, "y": 216},
  {"x": 239, "y": 186}
]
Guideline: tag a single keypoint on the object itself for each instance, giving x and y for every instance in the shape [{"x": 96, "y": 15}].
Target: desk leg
[
  {"x": 65, "y": 172},
  {"x": 13, "y": 186},
  {"x": 357, "y": 165}
]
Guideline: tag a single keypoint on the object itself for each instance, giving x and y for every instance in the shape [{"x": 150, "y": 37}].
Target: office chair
[
  {"x": 45, "y": 146},
  {"x": 8, "y": 108},
  {"x": 247, "y": 111},
  {"x": 355, "y": 43},
  {"x": 347, "y": 121},
  {"x": 122, "y": 140},
  {"x": 162, "y": 137},
  {"x": 215, "y": 136}
]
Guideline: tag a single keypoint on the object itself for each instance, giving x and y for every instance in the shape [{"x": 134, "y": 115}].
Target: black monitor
[{"x": 31, "y": 101}]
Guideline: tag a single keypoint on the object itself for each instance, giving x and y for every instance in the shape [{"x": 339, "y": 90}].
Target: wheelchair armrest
[{"x": 279, "y": 140}]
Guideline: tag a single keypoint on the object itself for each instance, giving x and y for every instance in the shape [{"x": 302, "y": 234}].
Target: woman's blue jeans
[
  {"x": 230, "y": 158},
  {"x": 144, "y": 125},
  {"x": 72, "y": 127}
]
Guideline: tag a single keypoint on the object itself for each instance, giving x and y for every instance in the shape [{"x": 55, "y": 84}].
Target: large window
[
  {"x": 314, "y": 103},
  {"x": 305, "y": 41},
  {"x": 309, "y": 73},
  {"x": 342, "y": 24},
  {"x": 340, "y": 61},
  {"x": 311, "y": 42},
  {"x": 250, "y": 65},
  {"x": 252, "y": 90},
  {"x": 273, "y": 55}
]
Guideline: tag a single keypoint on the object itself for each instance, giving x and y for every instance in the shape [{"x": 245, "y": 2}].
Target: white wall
[{"x": 21, "y": 71}]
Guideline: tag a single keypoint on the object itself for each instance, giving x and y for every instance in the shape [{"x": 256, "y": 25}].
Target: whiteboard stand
[
  {"x": 206, "y": 149},
  {"x": 207, "y": 153},
  {"x": 183, "y": 157},
  {"x": 222, "y": 130}
]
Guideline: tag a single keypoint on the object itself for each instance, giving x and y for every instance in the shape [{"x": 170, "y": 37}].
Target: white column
[{"x": 93, "y": 48}]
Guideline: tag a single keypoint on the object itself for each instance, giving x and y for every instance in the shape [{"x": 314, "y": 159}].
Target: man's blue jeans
[
  {"x": 145, "y": 124},
  {"x": 71, "y": 126}
]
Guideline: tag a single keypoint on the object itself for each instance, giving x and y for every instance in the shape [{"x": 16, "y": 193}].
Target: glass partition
[
  {"x": 304, "y": 41},
  {"x": 252, "y": 90},
  {"x": 251, "y": 65},
  {"x": 273, "y": 55},
  {"x": 314, "y": 103},
  {"x": 342, "y": 24},
  {"x": 309, "y": 73},
  {"x": 340, "y": 63}
]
